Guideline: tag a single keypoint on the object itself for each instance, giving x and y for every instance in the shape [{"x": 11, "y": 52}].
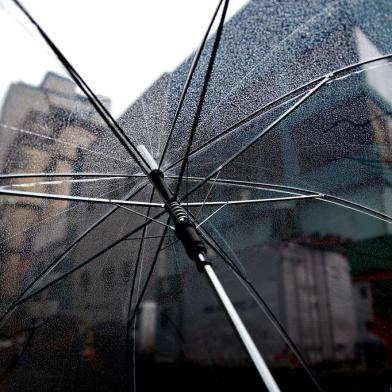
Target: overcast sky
[{"x": 120, "y": 47}]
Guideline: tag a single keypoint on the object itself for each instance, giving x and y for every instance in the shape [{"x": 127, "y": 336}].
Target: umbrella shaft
[
  {"x": 248, "y": 342},
  {"x": 187, "y": 233}
]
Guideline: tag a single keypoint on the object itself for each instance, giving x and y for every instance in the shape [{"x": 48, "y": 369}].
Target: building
[{"x": 45, "y": 128}]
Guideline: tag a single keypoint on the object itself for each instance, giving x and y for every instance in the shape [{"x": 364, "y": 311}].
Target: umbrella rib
[
  {"x": 170, "y": 244},
  {"x": 210, "y": 216},
  {"x": 252, "y": 201},
  {"x": 76, "y": 268},
  {"x": 146, "y": 216},
  {"x": 128, "y": 325},
  {"x": 81, "y": 199},
  {"x": 187, "y": 83},
  {"x": 202, "y": 95},
  {"x": 273, "y": 103},
  {"x": 234, "y": 259},
  {"x": 244, "y": 184},
  {"x": 356, "y": 207},
  {"x": 93, "y": 99},
  {"x": 147, "y": 236},
  {"x": 333, "y": 200},
  {"x": 132, "y": 317},
  {"x": 88, "y": 175},
  {"x": 262, "y": 303},
  {"x": 57, "y": 261},
  {"x": 150, "y": 272},
  {"x": 318, "y": 196},
  {"x": 342, "y": 203},
  {"x": 58, "y": 182},
  {"x": 241, "y": 202},
  {"x": 206, "y": 196}
]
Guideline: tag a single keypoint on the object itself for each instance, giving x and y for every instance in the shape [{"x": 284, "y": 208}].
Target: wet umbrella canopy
[{"x": 267, "y": 159}]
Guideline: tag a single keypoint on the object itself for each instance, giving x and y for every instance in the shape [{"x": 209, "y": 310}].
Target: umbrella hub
[{"x": 185, "y": 229}]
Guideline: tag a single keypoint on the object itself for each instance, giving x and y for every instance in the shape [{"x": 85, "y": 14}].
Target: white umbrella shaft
[{"x": 248, "y": 342}]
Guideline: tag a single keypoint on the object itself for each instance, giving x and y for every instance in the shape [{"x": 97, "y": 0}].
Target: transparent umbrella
[{"x": 231, "y": 228}]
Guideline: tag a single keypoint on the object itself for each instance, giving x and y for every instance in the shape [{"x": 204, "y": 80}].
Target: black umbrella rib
[
  {"x": 264, "y": 306},
  {"x": 260, "y": 135},
  {"x": 194, "y": 64},
  {"x": 92, "y": 258},
  {"x": 93, "y": 99},
  {"x": 293, "y": 93},
  {"x": 202, "y": 95},
  {"x": 56, "y": 262},
  {"x": 130, "y": 300},
  {"x": 131, "y": 317},
  {"x": 150, "y": 272}
]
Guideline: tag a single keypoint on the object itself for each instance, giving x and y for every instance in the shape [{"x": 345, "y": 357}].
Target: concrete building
[{"x": 45, "y": 128}]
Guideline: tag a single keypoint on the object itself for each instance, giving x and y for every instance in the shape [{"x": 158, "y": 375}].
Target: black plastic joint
[{"x": 186, "y": 232}]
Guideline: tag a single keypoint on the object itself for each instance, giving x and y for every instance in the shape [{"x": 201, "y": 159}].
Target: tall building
[{"x": 45, "y": 128}]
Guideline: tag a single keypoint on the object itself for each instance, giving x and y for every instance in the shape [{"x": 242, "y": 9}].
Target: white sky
[{"x": 119, "y": 47}]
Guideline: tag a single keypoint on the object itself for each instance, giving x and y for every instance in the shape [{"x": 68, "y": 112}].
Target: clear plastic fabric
[{"x": 296, "y": 217}]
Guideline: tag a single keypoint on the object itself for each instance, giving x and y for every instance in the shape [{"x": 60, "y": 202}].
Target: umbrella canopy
[{"x": 274, "y": 140}]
